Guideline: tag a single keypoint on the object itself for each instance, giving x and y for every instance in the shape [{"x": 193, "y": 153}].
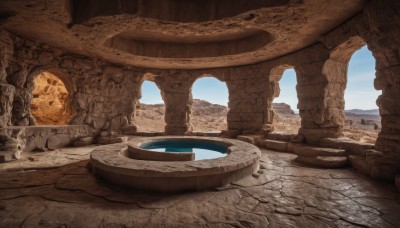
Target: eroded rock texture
[
  {"x": 50, "y": 104},
  {"x": 103, "y": 92}
]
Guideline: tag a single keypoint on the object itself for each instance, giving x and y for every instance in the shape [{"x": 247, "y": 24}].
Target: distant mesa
[
  {"x": 202, "y": 107},
  {"x": 282, "y": 108},
  {"x": 371, "y": 112}
]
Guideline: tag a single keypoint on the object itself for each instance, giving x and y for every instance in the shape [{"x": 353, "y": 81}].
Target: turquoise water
[{"x": 202, "y": 150}]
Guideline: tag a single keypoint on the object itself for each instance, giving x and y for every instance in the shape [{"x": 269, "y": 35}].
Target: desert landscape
[{"x": 360, "y": 125}]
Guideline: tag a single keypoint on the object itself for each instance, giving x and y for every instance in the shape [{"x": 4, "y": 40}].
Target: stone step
[
  {"x": 6, "y": 156},
  {"x": 324, "y": 161},
  {"x": 308, "y": 151},
  {"x": 83, "y": 141},
  {"x": 279, "y": 136},
  {"x": 253, "y": 139},
  {"x": 111, "y": 139},
  {"x": 351, "y": 146},
  {"x": 274, "y": 145}
]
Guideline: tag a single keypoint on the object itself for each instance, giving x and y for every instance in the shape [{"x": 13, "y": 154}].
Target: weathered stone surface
[
  {"x": 279, "y": 136},
  {"x": 308, "y": 151},
  {"x": 324, "y": 161},
  {"x": 6, "y": 100},
  {"x": 111, "y": 139},
  {"x": 274, "y": 145},
  {"x": 398, "y": 182},
  {"x": 297, "y": 139},
  {"x": 351, "y": 146},
  {"x": 253, "y": 139},
  {"x": 58, "y": 141},
  {"x": 360, "y": 164},
  {"x": 83, "y": 141},
  {"x": 11, "y": 144}
]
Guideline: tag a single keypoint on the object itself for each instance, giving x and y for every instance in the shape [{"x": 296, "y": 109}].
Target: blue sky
[
  {"x": 208, "y": 89},
  {"x": 359, "y": 94}
]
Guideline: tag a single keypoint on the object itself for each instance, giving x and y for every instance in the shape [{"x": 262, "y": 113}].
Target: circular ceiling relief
[{"x": 142, "y": 43}]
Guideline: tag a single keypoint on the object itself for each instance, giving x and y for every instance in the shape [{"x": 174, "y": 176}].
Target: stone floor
[{"x": 282, "y": 194}]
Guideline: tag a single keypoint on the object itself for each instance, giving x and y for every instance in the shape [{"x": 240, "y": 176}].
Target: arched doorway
[
  {"x": 210, "y": 105},
  {"x": 50, "y": 103},
  {"x": 286, "y": 115},
  {"x": 151, "y": 109},
  {"x": 363, "y": 121}
]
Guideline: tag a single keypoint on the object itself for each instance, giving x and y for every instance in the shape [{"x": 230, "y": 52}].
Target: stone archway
[
  {"x": 150, "y": 112},
  {"x": 336, "y": 71},
  {"x": 283, "y": 116},
  {"x": 209, "y": 114}
]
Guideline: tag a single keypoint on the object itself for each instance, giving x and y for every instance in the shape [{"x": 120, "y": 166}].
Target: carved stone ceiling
[{"x": 177, "y": 34}]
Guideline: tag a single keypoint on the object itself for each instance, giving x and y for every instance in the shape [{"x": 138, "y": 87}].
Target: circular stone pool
[{"x": 133, "y": 164}]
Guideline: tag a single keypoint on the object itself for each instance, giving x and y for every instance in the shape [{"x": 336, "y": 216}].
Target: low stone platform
[
  {"x": 283, "y": 194},
  {"x": 274, "y": 145},
  {"x": 40, "y": 138},
  {"x": 321, "y": 157},
  {"x": 351, "y": 146}
]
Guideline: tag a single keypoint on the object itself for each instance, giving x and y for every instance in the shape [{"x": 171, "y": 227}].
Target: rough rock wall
[
  {"x": 7, "y": 90},
  {"x": 101, "y": 95}
]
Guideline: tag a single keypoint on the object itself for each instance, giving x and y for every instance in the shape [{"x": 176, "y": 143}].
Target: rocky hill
[
  {"x": 282, "y": 108},
  {"x": 371, "y": 112}
]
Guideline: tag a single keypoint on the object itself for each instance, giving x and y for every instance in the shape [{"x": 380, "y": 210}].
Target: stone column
[
  {"x": 175, "y": 89},
  {"x": 320, "y": 92},
  {"x": 250, "y": 97},
  {"x": 384, "y": 30}
]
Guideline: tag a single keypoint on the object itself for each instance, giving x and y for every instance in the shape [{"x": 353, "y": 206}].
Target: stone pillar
[
  {"x": 384, "y": 30},
  {"x": 388, "y": 80},
  {"x": 250, "y": 97},
  {"x": 176, "y": 92},
  {"x": 320, "y": 92}
]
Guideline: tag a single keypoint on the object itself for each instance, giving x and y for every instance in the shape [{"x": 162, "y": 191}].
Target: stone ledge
[
  {"x": 323, "y": 161},
  {"x": 351, "y": 146},
  {"x": 253, "y": 139},
  {"x": 309, "y": 151},
  {"x": 274, "y": 145},
  {"x": 279, "y": 136},
  {"x": 141, "y": 154}
]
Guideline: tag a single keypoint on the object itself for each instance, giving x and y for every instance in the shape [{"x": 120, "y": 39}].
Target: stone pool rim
[{"x": 110, "y": 163}]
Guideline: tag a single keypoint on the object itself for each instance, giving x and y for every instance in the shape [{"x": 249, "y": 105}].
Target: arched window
[
  {"x": 50, "y": 100},
  {"x": 210, "y": 105},
  {"x": 363, "y": 121},
  {"x": 150, "y": 113},
  {"x": 286, "y": 114}
]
